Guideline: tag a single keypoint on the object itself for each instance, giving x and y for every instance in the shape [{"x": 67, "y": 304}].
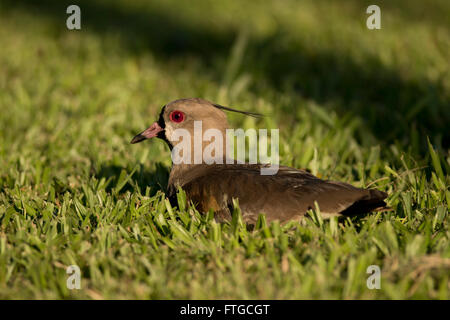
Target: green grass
[{"x": 371, "y": 108}]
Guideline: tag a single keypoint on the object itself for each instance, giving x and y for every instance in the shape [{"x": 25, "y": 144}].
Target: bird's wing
[{"x": 285, "y": 196}]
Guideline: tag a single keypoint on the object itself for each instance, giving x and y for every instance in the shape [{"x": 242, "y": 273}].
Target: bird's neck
[
  {"x": 180, "y": 169},
  {"x": 177, "y": 173}
]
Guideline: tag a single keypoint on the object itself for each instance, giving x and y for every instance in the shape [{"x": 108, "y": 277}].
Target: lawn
[{"x": 367, "y": 107}]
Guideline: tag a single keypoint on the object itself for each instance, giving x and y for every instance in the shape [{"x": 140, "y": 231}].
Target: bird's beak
[{"x": 148, "y": 133}]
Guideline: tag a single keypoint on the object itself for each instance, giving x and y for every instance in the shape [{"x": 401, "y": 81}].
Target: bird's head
[{"x": 184, "y": 114}]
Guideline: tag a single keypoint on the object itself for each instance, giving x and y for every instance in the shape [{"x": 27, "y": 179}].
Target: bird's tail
[{"x": 373, "y": 201}]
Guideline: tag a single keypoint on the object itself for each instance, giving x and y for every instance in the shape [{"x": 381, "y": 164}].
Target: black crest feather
[{"x": 247, "y": 113}]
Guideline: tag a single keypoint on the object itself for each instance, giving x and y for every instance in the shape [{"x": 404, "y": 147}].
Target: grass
[{"x": 371, "y": 108}]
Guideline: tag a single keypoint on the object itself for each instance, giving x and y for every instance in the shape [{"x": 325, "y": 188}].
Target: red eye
[{"x": 177, "y": 116}]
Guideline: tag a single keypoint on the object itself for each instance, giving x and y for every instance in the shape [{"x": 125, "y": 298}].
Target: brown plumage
[{"x": 287, "y": 195}]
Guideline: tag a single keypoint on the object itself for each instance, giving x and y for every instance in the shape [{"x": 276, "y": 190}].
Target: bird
[{"x": 285, "y": 196}]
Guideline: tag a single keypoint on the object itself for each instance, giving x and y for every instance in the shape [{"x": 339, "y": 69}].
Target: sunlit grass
[{"x": 351, "y": 105}]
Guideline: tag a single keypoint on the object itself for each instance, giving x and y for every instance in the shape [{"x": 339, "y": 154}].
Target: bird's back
[{"x": 288, "y": 195}]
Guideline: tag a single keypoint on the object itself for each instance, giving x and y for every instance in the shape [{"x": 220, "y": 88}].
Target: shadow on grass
[
  {"x": 142, "y": 179},
  {"x": 390, "y": 107}
]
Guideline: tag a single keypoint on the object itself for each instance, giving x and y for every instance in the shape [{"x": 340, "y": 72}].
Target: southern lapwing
[{"x": 287, "y": 195}]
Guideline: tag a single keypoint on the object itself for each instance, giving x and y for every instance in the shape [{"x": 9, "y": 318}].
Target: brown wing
[{"x": 284, "y": 196}]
